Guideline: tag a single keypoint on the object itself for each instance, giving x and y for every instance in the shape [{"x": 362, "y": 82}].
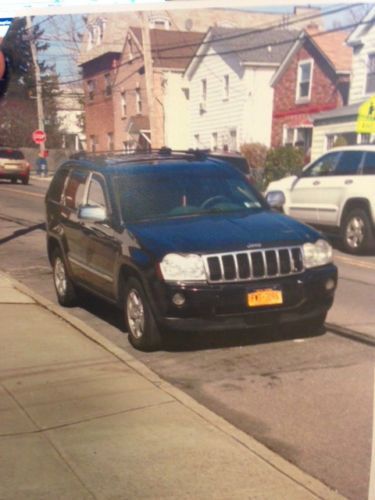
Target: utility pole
[
  {"x": 149, "y": 78},
  {"x": 39, "y": 102}
]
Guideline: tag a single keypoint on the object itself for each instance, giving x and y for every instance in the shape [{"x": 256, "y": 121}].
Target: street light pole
[{"x": 38, "y": 83}]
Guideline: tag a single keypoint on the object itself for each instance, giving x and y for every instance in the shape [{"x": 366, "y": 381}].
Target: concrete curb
[
  {"x": 364, "y": 338},
  {"x": 314, "y": 486}
]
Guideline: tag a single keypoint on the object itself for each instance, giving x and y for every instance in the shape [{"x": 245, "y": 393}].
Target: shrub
[
  {"x": 255, "y": 154},
  {"x": 281, "y": 162}
]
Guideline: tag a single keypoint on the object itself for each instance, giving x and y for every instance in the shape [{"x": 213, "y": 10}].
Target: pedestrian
[{"x": 41, "y": 164}]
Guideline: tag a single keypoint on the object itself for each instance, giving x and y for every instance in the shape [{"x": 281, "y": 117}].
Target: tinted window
[
  {"x": 96, "y": 195},
  {"x": 57, "y": 185},
  {"x": 75, "y": 188},
  {"x": 11, "y": 154},
  {"x": 323, "y": 166},
  {"x": 349, "y": 163},
  {"x": 369, "y": 164}
]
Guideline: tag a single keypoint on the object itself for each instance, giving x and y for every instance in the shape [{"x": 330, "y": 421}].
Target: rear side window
[
  {"x": 349, "y": 163},
  {"x": 11, "y": 154},
  {"x": 369, "y": 164},
  {"x": 75, "y": 189},
  {"x": 57, "y": 185}
]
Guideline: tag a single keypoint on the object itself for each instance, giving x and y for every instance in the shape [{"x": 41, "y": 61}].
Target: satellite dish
[{"x": 189, "y": 24}]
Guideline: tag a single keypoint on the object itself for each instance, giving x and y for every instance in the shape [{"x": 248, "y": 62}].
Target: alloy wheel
[
  {"x": 135, "y": 314},
  {"x": 60, "y": 277},
  {"x": 355, "y": 232}
]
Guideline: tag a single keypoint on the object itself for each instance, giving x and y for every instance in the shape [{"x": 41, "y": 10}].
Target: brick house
[
  {"x": 98, "y": 75},
  {"x": 130, "y": 107},
  {"x": 314, "y": 77}
]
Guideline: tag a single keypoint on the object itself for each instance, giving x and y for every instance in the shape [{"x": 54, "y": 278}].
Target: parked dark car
[
  {"x": 182, "y": 241},
  {"x": 14, "y": 166}
]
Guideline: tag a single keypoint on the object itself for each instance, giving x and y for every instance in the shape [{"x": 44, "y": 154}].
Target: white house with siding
[
  {"x": 342, "y": 122},
  {"x": 228, "y": 81}
]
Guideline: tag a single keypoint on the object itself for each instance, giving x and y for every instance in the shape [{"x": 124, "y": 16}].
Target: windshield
[{"x": 165, "y": 195}]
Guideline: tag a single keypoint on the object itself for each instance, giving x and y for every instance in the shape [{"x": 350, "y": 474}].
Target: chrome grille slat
[{"x": 295, "y": 261}]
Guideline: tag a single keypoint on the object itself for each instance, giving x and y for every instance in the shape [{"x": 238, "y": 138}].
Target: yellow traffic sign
[{"x": 366, "y": 117}]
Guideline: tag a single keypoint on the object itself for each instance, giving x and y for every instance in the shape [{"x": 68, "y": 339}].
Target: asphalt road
[{"x": 310, "y": 399}]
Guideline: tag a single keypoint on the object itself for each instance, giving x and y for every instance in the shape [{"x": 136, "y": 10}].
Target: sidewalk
[{"x": 80, "y": 418}]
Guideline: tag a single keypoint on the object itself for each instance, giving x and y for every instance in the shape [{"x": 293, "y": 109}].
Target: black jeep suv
[{"x": 182, "y": 241}]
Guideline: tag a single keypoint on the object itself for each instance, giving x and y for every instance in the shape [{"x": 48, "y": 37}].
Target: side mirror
[
  {"x": 276, "y": 200},
  {"x": 92, "y": 214}
]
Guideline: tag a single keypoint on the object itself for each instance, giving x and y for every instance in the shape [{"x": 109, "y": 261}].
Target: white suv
[{"x": 336, "y": 193}]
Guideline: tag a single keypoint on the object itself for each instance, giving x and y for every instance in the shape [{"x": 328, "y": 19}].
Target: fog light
[
  {"x": 330, "y": 284},
  {"x": 178, "y": 299}
]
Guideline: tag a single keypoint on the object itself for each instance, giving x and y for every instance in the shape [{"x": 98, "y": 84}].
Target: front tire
[
  {"x": 356, "y": 232},
  {"x": 65, "y": 289},
  {"x": 143, "y": 330}
]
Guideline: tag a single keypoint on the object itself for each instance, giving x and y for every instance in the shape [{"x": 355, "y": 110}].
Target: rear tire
[
  {"x": 13, "y": 180},
  {"x": 143, "y": 331},
  {"x": 356, "y": 232},
  {"x": 65, "y": 289},
  {"x": 25, "y": 180}
]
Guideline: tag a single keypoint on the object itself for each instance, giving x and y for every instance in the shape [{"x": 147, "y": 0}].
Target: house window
[
  {"x": 110, "y": 141},
  {"x": 226, "y": 87},
  {"x": 130, "y": 48},
  {"x": 94, "y": 143},
  {"x": 203, "y": 90},
  {"x": 233, "y": 140},
  {"x": 370, "y": 78},
  {"x": 304, "y": 80},
  {"x": 91, "y": 89},
  {"x": 214, "y": 141},
  {"x": 203, "y": 101},
  {"x": 107, "y": 85},
  {"x": 123, "y": 104},
  {"x": 288, "y": 136},
  {"x": 161, "y": 23},
  {"x": 138, "y": 100}
]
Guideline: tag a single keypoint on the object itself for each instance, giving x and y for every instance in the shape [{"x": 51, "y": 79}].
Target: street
[{"x": 309, "y": 399}]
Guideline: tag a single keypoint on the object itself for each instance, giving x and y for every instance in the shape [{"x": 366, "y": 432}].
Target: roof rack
[{"x": 110, "y": 157}]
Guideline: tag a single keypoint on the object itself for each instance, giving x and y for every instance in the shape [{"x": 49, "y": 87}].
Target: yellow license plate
[{"x": 265, "y": 297}]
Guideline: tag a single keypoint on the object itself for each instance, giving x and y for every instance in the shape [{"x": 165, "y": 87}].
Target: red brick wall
[
  {"x": 99, "y": 116},
  {"x": 324, "y": 93}
]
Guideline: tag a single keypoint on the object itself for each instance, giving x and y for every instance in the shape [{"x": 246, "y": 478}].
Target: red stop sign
[{"x": 39, "y": 136}]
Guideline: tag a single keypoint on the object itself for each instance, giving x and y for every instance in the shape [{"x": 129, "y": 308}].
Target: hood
[{"x": 219, "y": 233}]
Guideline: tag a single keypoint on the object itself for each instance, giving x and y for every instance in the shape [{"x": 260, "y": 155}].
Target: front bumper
[{"x": 224, "y": 306}]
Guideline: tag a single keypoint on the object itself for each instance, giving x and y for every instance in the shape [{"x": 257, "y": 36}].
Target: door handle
[
  {"x": 349, "y": 181},
  {"x": 316, "y": 183}
]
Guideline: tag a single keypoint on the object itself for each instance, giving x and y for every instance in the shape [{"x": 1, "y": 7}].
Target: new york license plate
[{"x": 264, "y": 297}]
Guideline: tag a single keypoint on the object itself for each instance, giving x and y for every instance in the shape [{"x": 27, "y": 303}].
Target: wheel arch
[
  {"x": 52, "y": 244},
  {"x": 353, "y": 203}
]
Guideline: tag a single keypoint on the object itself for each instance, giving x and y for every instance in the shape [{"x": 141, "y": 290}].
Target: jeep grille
[{"x": 253, "y": 264}]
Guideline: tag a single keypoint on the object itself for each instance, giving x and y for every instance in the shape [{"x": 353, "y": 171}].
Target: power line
[{"x": 237, "y": 50}]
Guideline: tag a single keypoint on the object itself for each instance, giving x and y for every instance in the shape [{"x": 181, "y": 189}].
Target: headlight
[
  {"x": 182, "y": 267},
  {"x": 317, "y": 254}
]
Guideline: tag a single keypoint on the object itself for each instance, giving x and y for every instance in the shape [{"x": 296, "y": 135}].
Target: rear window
[{"x": 11, "y": 154}]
